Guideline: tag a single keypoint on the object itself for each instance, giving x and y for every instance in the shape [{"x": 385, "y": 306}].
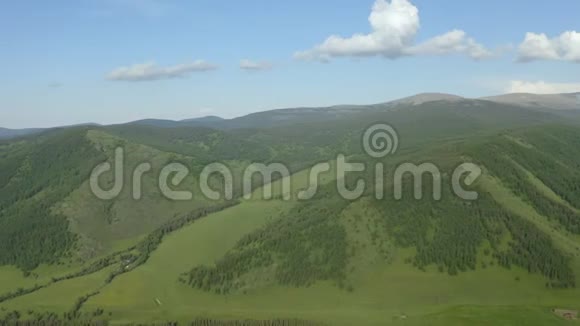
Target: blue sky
[{"x": 109, "y": 61}]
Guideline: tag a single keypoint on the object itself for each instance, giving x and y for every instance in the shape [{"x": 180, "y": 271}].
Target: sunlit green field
[{"x": 384, "y": 292}]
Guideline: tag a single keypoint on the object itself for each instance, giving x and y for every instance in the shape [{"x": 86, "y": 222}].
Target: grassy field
[
  {"x": 13, "y": 278},
  {"x": 382, "y": 294},
  {"x": 59, "y": 297},
  {"x": 385, "y": 292},
  {"x": 489, "y": 315}
]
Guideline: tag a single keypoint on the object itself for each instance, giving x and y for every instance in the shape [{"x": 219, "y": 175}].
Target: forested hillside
[
  {"x": 450, "y": 234},
  {"x": 112, "y": 260},
  {"x": 35, "y": 175}
]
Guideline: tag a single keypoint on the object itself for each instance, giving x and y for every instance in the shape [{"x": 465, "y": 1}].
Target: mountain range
[
  {"x": 510, "y": 257},
  {"x": 549, "y": 102}
]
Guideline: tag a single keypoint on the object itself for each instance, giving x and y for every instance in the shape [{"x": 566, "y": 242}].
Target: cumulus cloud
[
  {"x": 455, "y": 41},
  {"x": 542, "y": 87},
  {"x": 150, "y": 71},
  {"x": 564, "y": 47},
  {"x": 394, "y": 26},
  {"x": 250, "y": 65}
]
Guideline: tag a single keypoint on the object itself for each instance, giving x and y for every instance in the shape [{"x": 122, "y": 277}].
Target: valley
[
  {"x": 508, "y": 257},
  {"x": 289, "y": 163}
]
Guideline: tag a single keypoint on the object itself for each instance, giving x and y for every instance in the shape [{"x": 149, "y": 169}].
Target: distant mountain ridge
[
  {"x": 559, "y": 103},
  {"x": 569, "y": 101},
  {"x": 209, "y": 118},
  {"x": 164, "y": 123},
  {"x": 427, "y": 97},
  {"x": 6, "y": 133}
]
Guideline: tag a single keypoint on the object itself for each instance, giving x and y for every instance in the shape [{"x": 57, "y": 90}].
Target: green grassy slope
[
  {"x": 383, "y": 291},
  {"x": 105, "y": 226}
]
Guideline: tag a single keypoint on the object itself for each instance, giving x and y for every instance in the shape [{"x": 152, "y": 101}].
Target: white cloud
[
  {"x": 565, "y": 47},
  {"x": 394, "y": 26},
  {"x": 254, "y": 66},
  {"x": 542, "y": 87},
  {"x": 455, "y": 41},
  {"x": 150, "y": 71}
]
